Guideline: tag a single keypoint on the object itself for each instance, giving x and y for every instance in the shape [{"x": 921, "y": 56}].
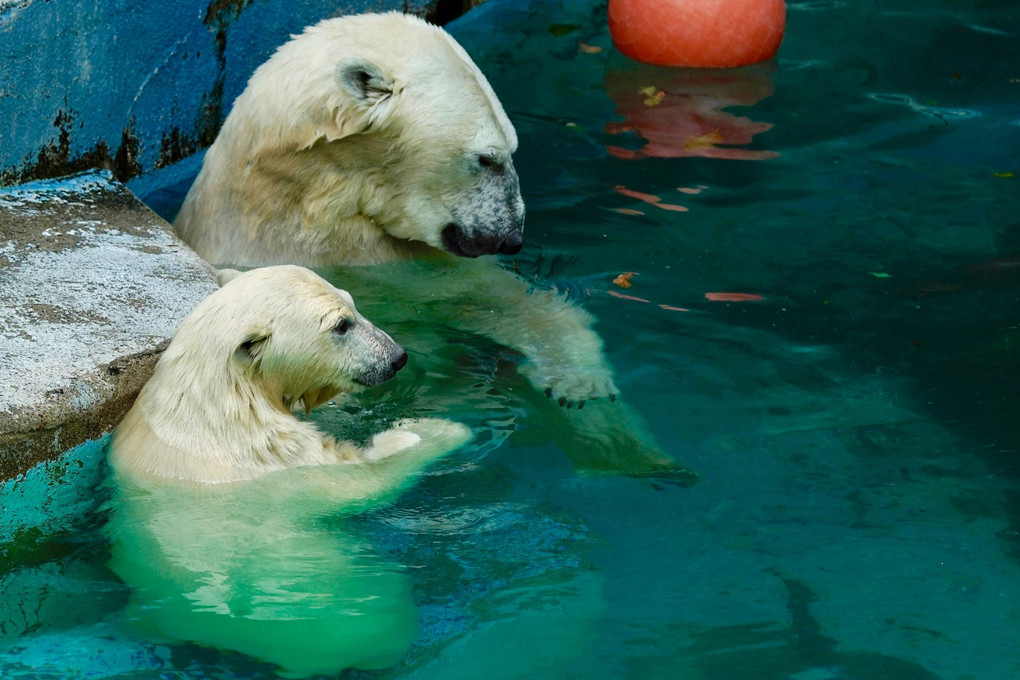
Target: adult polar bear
[
  {"x": 375, "y": 139},
  {"x": 366, "y": 139}
]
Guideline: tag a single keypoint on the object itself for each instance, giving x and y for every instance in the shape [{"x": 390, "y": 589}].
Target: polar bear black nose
[
  {"x": 511, "y": 244},
  {"x": 399, "y": 362}
]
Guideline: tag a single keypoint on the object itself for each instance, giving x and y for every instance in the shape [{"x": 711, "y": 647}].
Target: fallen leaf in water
[
  {"x": 881, "y": 275},
  {"x": 626, "y": 297},
  {"x": 733, "y": 297},
  {"x": 623, "y": 280},
  {"x": 650, "y": 199},
  {"x": 630, "y": 193},
  {"x": 588, "y": 49},
  {"x": 655, "y": 99}
]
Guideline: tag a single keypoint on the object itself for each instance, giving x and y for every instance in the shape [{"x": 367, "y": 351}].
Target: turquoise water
[{"x": 827, "y": 334}]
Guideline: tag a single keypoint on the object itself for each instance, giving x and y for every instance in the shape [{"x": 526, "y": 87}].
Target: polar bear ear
[
  {"x": 363, "y": 80},
  {"x": 249, "y": 351}
]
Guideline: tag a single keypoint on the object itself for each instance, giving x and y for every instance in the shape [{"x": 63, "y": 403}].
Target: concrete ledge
[{"x": 92, "y": 286}]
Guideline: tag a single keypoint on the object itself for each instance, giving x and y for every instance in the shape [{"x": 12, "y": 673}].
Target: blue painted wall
[{"x": 133, "y": 86}]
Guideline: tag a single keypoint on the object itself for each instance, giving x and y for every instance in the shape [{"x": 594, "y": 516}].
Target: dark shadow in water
[{"x": 766, "y": 651}]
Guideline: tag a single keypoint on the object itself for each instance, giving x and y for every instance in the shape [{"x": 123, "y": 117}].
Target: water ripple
[
  {"x": 942, "y": 113},
  {"x": 453, "y": 521}
]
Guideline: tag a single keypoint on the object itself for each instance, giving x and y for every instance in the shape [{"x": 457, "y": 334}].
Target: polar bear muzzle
[
  {"x": 380, "y": 373},
  {"x": 461, "y": 244},
  {"x": 491, "y": 218}
]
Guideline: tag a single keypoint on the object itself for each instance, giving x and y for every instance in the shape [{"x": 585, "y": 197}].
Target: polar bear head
[
  {"x": 287, "y": 332},
  {"x": 362, "y": 134},
  {"x": 218, "y": 407},
  {"x": 281, "y": 336}
]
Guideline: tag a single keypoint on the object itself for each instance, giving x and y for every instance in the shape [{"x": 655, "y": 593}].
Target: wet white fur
[
  {"x": 307, "y": 171},
  {"x": 218, "y": 407}
]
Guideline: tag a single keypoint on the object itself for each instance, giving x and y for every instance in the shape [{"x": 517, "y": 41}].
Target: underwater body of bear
[
  {"x": 218, "y": 486},
  {"x": 375, "y": 140}
]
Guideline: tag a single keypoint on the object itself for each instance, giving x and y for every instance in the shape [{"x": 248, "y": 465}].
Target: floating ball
[{"x": 698, "y": 33}]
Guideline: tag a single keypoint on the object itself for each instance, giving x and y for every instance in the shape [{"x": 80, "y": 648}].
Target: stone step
[{"x": 92, "y": 286}]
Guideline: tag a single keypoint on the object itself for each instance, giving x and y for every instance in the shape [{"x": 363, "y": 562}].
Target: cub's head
[
  {"x": 287, "y": 332},
  {"x": 410, "y": 124}
]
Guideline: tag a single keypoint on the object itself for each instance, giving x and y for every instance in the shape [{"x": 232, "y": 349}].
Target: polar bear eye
[
  {"x": 342, "y": 326},
  {"x": 489, "y": 163}
]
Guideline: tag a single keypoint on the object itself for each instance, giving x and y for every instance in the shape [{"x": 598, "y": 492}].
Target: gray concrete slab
[{"x": 92, "y": 286}]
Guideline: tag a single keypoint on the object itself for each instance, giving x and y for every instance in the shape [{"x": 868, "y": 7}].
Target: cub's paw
[
  {"x": 435, "y": 431},
  {"x": 418, "y": 437},
  {"x": 390, "y": 442}
]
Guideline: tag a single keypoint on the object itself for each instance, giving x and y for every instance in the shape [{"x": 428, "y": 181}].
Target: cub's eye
[{"x": 342, "y": 326}]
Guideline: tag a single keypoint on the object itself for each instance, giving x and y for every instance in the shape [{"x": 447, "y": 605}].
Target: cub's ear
[
  {"x": 363, "y": 80},
  {"x": 248, "y": 352},
  {"x": 225, "y": 276}
]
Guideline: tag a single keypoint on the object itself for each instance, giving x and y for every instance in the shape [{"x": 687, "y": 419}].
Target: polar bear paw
[
  {"x": 436, "y": 431},
  {"x": 574, "y": 389},
  {"x": 420, "y": 436},
  {"x": 387, "y": 443}
]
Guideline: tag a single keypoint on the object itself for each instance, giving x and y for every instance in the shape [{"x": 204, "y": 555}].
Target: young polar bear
[
  {"x": 218, "y": 407},
  {"x": 375, "y": 139},
  {"x": 218, "y": 485}
]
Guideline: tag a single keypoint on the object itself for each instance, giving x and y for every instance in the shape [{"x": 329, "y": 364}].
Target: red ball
[{"x": 699, "y": 33}]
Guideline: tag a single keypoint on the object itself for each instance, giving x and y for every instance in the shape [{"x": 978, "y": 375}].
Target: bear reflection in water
[{"x": 219, "y": 488}]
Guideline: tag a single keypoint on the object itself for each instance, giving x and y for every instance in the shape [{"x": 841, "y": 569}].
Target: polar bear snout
[
  {"x": 490, "y": 219},
  {"x": 457, "y": 242},
  {"x": 465, "y": 242},
  {"x": 400, "y": 361},
  {"x": 511, "y": 245},
  {"x": 392, "y": 359}
]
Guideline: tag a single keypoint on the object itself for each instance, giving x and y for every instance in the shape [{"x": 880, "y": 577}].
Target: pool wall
[{"x": 135, "y": 86}]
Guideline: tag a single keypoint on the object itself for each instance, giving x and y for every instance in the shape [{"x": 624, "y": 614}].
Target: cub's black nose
[{"x": 400, "y": 361}]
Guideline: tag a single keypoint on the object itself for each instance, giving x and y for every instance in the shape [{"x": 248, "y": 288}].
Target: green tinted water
[{"x": 827, "y": 335}]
